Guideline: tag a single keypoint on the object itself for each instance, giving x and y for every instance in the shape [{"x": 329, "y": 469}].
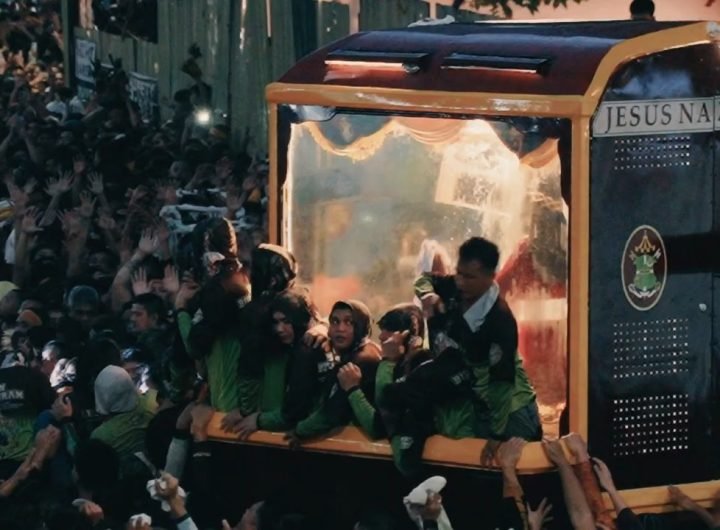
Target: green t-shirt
[
  {"x": 222, "y": 372},
  {"x": 24, "y": 393},
  {"x": 16, "y": 436},
  {"x": 125, "y": 432},
  {"x": 222, "y": 366},
  {"x": 273, "y": 393}
]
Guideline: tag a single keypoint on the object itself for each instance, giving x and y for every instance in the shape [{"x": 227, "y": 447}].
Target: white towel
[
  {"x": 152, "y": 490},
  {"x": 142, "y": 518},
  {"x": 418, "y": 497},
  {"x": 426, "y": 257}
]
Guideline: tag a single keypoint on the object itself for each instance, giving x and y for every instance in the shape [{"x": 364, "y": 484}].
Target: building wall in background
[{"x": 247, "y": 44}]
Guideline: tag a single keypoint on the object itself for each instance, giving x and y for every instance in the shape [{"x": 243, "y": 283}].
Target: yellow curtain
[
  {"x": 428, "y": 131},
  {"x": 431, "y": 131},
  {"x": 543, "y": 155}
]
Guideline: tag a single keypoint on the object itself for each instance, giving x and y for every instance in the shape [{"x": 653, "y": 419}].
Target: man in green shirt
[
  {"x": 24, "y": 393},
  {"x": 126, "y": 421},
  {"x": 417, "y": 395},
  {"x": 216, "y": 340},
  {"x": 467, "y": 313}
]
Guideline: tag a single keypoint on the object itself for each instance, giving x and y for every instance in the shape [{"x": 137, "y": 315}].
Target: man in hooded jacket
[{"x": 349, "y": 333}]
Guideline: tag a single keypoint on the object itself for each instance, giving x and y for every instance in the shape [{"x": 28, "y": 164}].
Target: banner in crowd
[
  {"x": 144, "y": 91},
  {"x": 85, "y": 53}
]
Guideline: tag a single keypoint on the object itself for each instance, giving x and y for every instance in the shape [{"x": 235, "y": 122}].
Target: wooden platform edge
[
  {"x": 657, "y": 499},
  {"x": 464, "y": 453},
  {"x": 439, "y": 450}
]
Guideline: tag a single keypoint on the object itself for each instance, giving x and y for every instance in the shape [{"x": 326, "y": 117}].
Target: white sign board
[
  {"x": 658, "y": 116},
  {"x": 84, "y": 57},
  {"x": 144, "y": 91}
]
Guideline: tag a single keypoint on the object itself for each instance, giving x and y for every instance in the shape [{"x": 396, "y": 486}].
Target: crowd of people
[{"x": 138, "y": 299}]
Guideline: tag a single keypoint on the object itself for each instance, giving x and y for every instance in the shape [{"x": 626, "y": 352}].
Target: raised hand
[
  {"x": 433, "y": 507},
  {"x": 604, "y": 475},
  {"x": 554, "y": 451},
  {"x": 30, "y": 185},
  {"x": 18, "y": 197},
  {"x": 60, "y": 185},
  {"x": 139, "y": 282},
  {"x": 432, "y": 304},
  {"x": 87, "y": 205},
  {"x": 106, "y": 222},
  {"x": 71, "y": 223},
  {"x": 95, "y": 181},
  {"x": 167, "y": 487},
  {"x": 538, "y": 518},
  {"x": 188, "y": 290},
  {"x": 171, "y": 281},
  {"x": 393, "y": 348},
  {"x": 136, "y": 195},
  {"x": 149, "y": 243},
  {"x": 31, "y": 221},
  {"x": 316, "y": 337},
  {"x": 577, "y": 446}
]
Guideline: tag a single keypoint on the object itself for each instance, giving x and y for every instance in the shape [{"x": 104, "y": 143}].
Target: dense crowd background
[{"x": 137, "y": 298}]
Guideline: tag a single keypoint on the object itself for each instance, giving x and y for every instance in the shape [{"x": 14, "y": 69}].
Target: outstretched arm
[
  {"x": 686, "y": 503},
  {"x": 508, "y": 455},
  {"x": 584, "y": 472},
  {"x": 577, "y": 505}
]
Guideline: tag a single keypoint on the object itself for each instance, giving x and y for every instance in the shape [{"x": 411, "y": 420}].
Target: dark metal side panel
[{"x": 651, "y": 398}]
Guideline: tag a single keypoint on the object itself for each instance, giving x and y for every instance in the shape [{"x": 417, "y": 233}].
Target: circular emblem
[{"x": 644, "y": 268}]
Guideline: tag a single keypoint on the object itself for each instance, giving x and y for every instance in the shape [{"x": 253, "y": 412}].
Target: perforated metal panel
[
  {"x": 646, "y": 425},
  {"x": 651, "y": 152},
  {"x": 651, "y": 369},
  {"x": 651, "y": 348}
]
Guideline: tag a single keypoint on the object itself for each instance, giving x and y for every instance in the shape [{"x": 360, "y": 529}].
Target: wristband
[{"x": 352, "y": 389}]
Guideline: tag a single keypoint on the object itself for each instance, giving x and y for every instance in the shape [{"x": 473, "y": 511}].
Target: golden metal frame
[{"x": 579, "y": 109}]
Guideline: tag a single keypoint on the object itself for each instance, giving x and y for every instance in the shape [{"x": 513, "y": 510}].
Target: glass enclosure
[{"x": 372, "y": 200}]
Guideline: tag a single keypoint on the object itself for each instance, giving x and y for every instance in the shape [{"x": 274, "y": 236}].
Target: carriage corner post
[{"x": 613, "y": 168}]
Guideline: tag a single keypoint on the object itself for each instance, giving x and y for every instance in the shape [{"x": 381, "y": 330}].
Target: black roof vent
[{"x": 536, "y": 65}]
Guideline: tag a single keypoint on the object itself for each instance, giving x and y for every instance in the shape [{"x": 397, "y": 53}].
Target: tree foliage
[{"x": 506, "y": 6}]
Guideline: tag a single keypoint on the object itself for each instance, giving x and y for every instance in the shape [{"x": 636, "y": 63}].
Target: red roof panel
[{"x": 574, "y": 48}]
